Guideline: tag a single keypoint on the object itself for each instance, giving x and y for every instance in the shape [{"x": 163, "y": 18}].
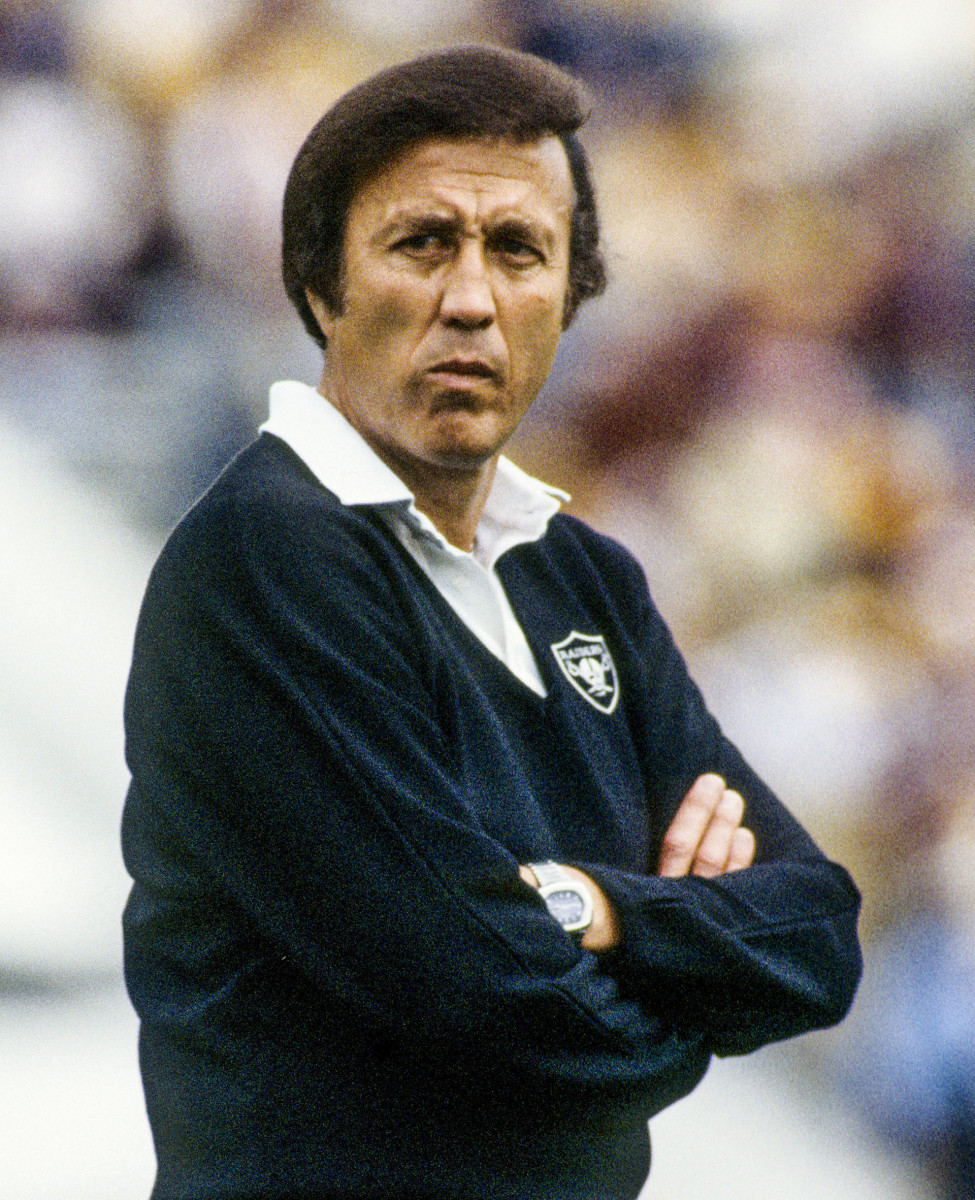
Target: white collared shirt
[{"x": 518, "y": 509}]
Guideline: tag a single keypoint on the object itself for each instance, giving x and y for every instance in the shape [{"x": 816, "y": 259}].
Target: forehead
[{"x": 483, "y": 177}]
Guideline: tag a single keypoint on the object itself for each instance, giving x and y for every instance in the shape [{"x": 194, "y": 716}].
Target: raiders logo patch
[{"x": 588, "y": 665}]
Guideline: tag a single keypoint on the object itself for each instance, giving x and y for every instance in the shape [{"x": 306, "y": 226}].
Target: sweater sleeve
[
  {"x": 291, "y": 783},
  {"x": 752, "y": 956}
]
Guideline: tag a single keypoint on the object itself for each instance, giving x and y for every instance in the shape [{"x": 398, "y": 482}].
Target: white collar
[{"x": 518, "y": 509}]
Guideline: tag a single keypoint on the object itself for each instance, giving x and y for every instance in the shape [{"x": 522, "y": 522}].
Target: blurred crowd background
[{"x": 773, "y": 407}]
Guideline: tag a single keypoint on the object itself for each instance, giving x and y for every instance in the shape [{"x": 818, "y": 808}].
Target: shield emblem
[{"x": 586, "y": 662}]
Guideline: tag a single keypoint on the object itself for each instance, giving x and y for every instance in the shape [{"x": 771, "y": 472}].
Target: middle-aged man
[{"x": 445, "y": 879}]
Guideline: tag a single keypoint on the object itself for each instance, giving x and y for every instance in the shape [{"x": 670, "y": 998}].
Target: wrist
[{"x": 568, "y": 897}]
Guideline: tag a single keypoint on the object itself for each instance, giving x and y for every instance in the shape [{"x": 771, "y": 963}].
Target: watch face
[{"x": 567, "y": 906}]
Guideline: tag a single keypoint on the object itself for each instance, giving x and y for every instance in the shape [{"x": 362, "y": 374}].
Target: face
[{"x": 456, "y": 271}]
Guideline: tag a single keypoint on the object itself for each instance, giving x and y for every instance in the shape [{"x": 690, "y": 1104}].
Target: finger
[
  {"x": 715, "y": 846},
  {"x": 684, "y": 834},
  {"x": 742, "y": 853}
]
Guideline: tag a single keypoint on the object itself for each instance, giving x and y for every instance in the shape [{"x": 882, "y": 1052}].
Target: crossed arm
[{"x": 705, "y": 838}]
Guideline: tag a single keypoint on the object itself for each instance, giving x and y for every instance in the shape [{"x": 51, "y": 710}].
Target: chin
[
  {"x": 466, "y": 447},
  {"x": 462, "y": 458}
]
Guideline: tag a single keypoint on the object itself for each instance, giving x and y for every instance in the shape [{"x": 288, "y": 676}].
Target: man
[{"x": 445, "y": 879}]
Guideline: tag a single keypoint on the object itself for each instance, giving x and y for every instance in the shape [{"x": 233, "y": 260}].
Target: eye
[
  {"x": 517, "y": 251},
  {"x": 422, "y": 245}
]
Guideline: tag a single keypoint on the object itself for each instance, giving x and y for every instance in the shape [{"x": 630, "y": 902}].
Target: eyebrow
[
  {"x": 425, "y": 220},
  {"x": 517, "y": 223},
  {"x": 422, "y": 221}
]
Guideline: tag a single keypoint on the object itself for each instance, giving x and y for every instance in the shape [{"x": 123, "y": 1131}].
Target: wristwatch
[{"x": 567, "y": 899}]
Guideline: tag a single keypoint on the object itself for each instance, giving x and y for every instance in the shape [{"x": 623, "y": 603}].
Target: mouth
[{"x": 462, "y": 373}]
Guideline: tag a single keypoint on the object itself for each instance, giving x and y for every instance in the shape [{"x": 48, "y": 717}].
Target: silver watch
[{"x": 567, "y": 899}]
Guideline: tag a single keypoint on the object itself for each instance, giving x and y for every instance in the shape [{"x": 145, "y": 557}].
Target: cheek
[
  {"x": 539, "y": 326},
  {"x": 376, "y": 316},
  {"x": 392, "y": 303}
]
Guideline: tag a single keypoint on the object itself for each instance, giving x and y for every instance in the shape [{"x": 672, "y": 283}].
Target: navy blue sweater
[{"x": 345, "y": 989}]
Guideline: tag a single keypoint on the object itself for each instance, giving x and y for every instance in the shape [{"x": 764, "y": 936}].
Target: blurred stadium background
[{"x": 773, "y": 406}]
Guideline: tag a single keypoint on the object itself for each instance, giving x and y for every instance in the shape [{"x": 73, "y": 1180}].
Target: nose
[{"x": 467, "y": 299}]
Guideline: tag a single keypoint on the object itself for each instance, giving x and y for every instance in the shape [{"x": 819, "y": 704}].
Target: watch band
[
  {"x": 548, "y": 872},
  {"x": 567, "y": 899}
]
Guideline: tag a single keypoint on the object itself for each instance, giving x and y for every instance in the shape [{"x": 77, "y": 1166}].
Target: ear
[{"x": 323, "y": 314}]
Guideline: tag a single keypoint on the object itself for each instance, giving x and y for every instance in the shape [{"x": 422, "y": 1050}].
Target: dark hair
[{"x": 463, "y": 92}]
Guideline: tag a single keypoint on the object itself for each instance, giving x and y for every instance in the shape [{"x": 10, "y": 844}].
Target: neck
[
  {"x": 451, "y": 496},
  {"x": 452, "y": 499}
]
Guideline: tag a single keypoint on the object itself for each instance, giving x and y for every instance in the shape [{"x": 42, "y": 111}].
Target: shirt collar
[
  {"x": 330, "y": 447},
  {"x": 518, "y": 509}
]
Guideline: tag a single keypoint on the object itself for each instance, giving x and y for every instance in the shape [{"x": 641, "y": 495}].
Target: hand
[
  {"x": 706, "y": 836},
  {"x": 604, "y": 932}
]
